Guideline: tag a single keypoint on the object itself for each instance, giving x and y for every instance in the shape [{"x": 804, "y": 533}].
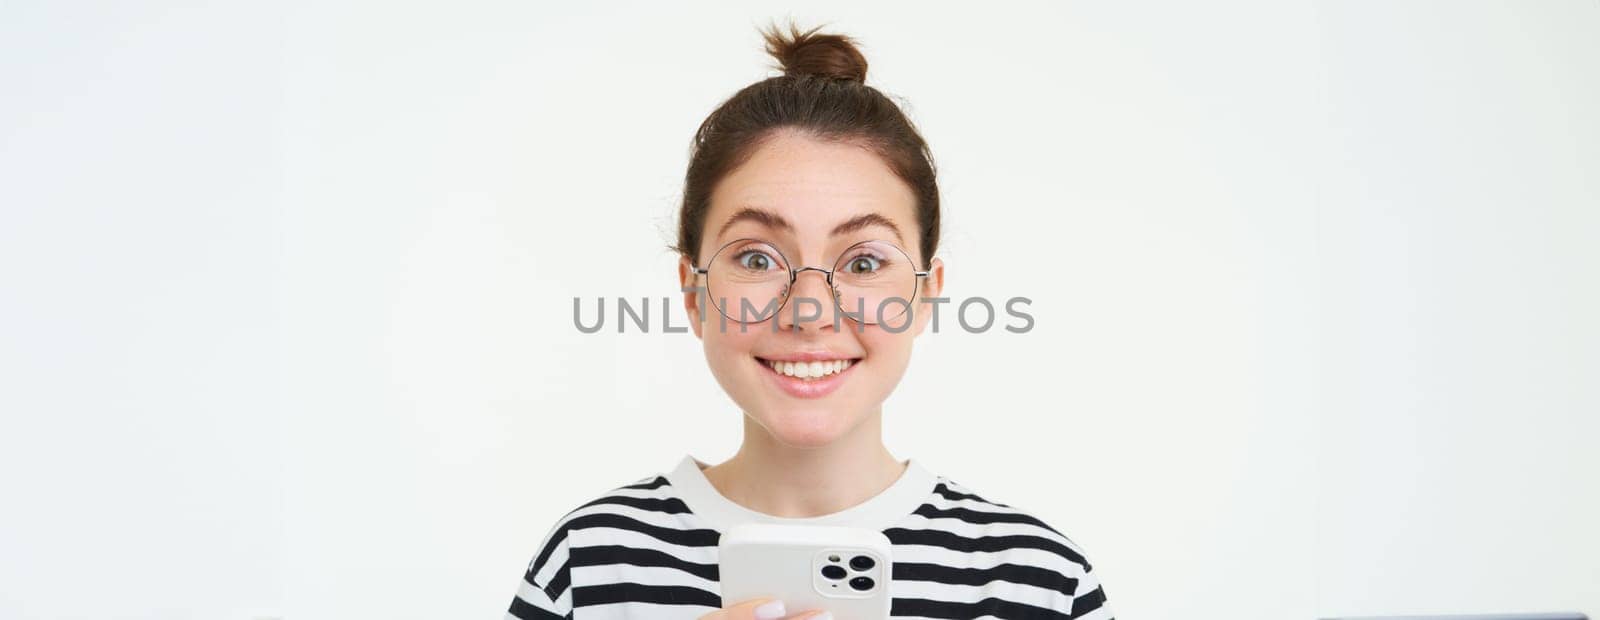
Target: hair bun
[{"x": 810, "y": 53}]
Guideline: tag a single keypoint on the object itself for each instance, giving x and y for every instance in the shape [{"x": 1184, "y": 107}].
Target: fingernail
[{"x": 770, "y": 611}]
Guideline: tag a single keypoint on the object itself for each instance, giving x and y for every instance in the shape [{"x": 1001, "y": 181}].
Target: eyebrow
[{"x": 775, "y": 221}]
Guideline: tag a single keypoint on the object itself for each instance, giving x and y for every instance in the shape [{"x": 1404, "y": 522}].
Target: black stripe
[
  {"x": 945, "y": 491},
  {"x": 991, "y": 606},
  {"x": 558, "y": 583},
  {"x": 617, "y": 554},
  {"x": 658, "y": 482},
  {"x": 978, "y": 516},
  {"x": 990, "y": 544},
  {"x": 585, "y": 596},
  {"x": 668, "y": 505},
  {"x": 1082, "y": 605},
  {"x": 687, "y": 538},
  {"x": 556, "y": 539},
  {"x": 526, "y": 611},
  {"x": 1011, "y": 573}
]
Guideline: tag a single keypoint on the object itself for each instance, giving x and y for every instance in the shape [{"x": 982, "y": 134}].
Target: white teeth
[{"x": 809, "y": 370}]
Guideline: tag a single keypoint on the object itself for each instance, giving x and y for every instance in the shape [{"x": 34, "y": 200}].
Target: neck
[{"x": 785, "y": 481}]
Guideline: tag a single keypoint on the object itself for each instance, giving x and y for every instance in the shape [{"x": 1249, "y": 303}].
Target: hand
[{"x": 763, "y": 609}]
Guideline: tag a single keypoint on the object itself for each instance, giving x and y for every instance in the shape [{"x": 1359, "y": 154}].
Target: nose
[{"x": 811, "y": 284}]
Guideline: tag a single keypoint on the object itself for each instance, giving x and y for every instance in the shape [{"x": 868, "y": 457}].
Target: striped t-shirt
[{"x": 648, "y": 550}]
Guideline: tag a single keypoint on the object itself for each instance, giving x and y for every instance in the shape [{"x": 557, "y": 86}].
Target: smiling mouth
[{"x": 809, "y": 371}]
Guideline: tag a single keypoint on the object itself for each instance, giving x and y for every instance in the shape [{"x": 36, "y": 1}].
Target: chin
[{"x": 808, "y": 428}]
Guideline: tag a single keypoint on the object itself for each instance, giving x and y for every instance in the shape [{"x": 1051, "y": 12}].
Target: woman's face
[{"x": 811, "y": 200}]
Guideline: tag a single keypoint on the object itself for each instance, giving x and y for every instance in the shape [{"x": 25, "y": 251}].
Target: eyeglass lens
[{"x": 873, "y": 281}]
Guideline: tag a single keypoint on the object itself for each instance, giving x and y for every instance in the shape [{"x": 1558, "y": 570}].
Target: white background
[{"x": 287, "y": 294}]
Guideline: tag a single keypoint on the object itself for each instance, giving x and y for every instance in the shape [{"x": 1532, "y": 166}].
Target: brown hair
[{"x": 822, "y": 93}]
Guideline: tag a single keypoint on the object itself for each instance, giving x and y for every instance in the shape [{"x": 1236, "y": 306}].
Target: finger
[
  {"x": 753, "y": 609},
  {"x": 816, "y": 614}
]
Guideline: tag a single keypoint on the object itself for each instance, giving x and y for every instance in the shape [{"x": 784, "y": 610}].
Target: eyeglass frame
[{"x": 794, "y": 276}]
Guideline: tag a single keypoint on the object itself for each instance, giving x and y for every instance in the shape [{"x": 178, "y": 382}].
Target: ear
[
  {"x": 932, "y": 285},
  {"x": 687, "y": 281}
]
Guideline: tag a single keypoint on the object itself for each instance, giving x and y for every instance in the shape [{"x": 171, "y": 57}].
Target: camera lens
[
  {"x": 861, "y": 583},
  {"x": 862, "y": 562},
  {"x": 833, "y": 571}
]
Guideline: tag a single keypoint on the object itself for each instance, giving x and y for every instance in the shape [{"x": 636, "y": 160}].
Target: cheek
[
  {"x": 890, "y": 350},
  {"x": 729, "y": 340},
  {"x": 888, "y": 356},
  {"x": 728, "y": 351}
]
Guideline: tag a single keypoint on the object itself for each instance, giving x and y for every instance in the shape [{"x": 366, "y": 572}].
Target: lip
[
  {"x": 807, "y": 388},
  {"x": 808, "y": 356}
]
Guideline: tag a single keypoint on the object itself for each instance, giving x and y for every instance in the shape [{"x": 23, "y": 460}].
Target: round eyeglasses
[{"x": 872, "y": 282}]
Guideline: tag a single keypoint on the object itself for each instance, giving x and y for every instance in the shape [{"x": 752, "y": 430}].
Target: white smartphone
[{"x": 843, "y": 570}]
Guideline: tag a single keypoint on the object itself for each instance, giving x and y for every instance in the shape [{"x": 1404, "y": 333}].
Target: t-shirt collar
[{"x": 879, "y": 512}]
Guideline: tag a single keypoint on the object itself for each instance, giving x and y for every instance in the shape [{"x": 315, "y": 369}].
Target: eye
[
  {"x": 862, "y": 265},
  {"x": 755, "y": 260}
]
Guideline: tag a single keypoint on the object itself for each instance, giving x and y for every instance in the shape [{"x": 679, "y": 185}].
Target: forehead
[{"x": 813, "y": 184}]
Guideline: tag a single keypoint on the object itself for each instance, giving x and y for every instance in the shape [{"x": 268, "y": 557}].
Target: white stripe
[
  {"x": 982, "y": 617},
  {"x": 928, "y": 554},
  {"x": 532, "y": 595},
  {"x": 558, "y": 557},
  {"x": 652, "y": 575},
  {"x": 1005, "y": 590},
  {"x": 564, "y": 601},
  {"x": 635, "y": 611},
  {"x": 660, "y": 493}
]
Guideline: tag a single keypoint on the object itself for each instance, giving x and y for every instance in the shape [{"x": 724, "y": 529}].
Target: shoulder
[
  {"x": 648, "y": 506},
  {"x": 991, "y": 526},
  {"x": 636, "y": 545},
  {"x": 634, "y": 517},
  {"x": 958, "y": 536}
]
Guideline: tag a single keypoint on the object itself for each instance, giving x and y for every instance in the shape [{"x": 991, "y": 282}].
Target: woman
[{"x": 809, "y": 222}]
